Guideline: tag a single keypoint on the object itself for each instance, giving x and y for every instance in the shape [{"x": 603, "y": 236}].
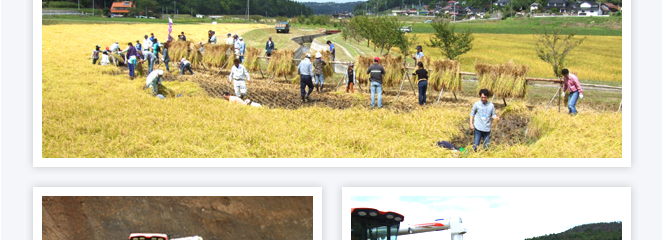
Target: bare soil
[{"x": 260, "y": 218}]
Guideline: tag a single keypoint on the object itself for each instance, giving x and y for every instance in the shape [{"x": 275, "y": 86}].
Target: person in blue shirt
[
  {"x": 417, "y": 56},
  {"x": 332, "y": 49},
  {"x": 269, "y": 47},
  {"x": 242, "y": 49},
  {"x": 139, "y": 47},
  {"x": 481, "y": 118},
  {"x": 155, "y": 49}
]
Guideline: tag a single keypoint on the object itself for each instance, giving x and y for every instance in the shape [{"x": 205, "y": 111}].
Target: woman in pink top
[{"x": 573, "y": 85}]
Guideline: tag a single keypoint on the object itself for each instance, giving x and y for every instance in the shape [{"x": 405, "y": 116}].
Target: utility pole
[
  {"x": 79, "y": 4},
  {"x": 93, "y": 7},
  {"x": 247, "y": 10}
]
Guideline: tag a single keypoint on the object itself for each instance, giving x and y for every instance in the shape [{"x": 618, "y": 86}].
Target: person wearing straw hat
[
  {"x": 305, "y": 70},
  {"x": 376, "y": 71},
  {"x": 319, "y": 71},
  {"x": 350, "y": 78},
  {"x": 572, "y": 83},
  {"x": 95, "y": 54},
  {"x": 185, "y": 65},
  {"x": 154, "y": 80},
  {"x": 239, "y": 76},
  {"x": 481, "y": 118},
  {"x": 269, "y": 47},
  {"x": 422, "y": 78}
]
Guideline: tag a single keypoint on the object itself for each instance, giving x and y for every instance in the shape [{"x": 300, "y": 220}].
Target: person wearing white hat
[
  {"x": 242, "y": 48},
  {"x": 154, "y": 80},
  {"x": 319, "y": 71},
  {"x": 305, "y": 70},
  {"x": 238, "y": 77},
  {"x": 185, "y": 65},
  {"x": 115, "y": 47}
]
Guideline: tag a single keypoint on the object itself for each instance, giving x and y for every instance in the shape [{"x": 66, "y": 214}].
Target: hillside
[
  {"x": 330, "y": 7},
  {"x": 208, "y": 217},
  {"x": 592, "y": 231}
]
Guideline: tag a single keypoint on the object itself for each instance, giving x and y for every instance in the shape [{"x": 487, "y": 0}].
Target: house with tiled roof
[{"x": 121, "y": 8}]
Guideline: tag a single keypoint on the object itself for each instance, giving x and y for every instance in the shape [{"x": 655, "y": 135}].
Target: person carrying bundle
[
  {"x": 154, "y": 80},
  {"x": 350, "y": 78},
  {"x": 422, "y": 77},
  {"x": 95, "y": 54},
  {"x": 237, "y": 100},
  {"x": 481, "y": 118},
  {"x": 185, "y": 65},
  {"x": 305, "y": 70},
  {"x": 239, "y": 75},
  {"x": 572, "y": 83},
  {"x": 319, "y": 71}
]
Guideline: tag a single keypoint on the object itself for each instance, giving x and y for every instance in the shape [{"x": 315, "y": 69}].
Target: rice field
[{"x": 89, "y": 111}]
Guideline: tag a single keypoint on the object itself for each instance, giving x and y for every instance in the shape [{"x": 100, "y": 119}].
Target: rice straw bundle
[
  {"x": 215, "y": 54},
  {"x": 120, "y": 59},
  {"x": 178, "y": 50},
  {"x": 361, "y": 66},
  {"x": 281, "y": 63},
  {"x": 445, "y": 75},
  {"x": 393, "y": 67},
  {"x": 140, "y": 70},
  {"x": 251, "y": 59},
  {"x": 504, "y": 80},
  {"x": 426, "y": 61}
]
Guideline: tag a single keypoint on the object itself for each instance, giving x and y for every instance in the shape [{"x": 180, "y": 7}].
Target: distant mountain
[
  {"x": 330, "y": 7},
  {"x": 598, "y": 231}
]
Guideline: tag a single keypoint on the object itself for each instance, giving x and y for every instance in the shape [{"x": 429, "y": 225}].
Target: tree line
[
  {"x": 373, "y": 6},
  {"x": 268, "y": 8},
  {"x": 593, "y": 231}
]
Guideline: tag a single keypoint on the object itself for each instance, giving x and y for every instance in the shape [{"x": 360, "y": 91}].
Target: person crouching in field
[
  {"x": 95, "y": 54},
  {"x": 185, "y": 65},
  {"x": 237, "y": 100},
  {"x": 350, "y": 77},
  {"x": 150, "y": 58},
  {"x": 319, "y": 71},
  {"x": 483, "y": 112},
  {"x": 376, "y": 71},
  {"x": 572, "y": 83},
  {"x": 239, "y": 75},
  {"x": 154, "y": 80},
  {"x": 422, "y": 77},
  {"x": 105, "y": 60},
  {"x": 305, "y": 70}
]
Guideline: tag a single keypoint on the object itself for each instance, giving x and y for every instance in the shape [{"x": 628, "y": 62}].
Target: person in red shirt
[{"x": 572, "y": 83}]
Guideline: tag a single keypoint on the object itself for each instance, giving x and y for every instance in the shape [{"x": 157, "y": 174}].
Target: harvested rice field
[{"x": 92, "y": 111}]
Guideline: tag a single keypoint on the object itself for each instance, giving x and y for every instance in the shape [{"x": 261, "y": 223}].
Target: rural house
[
  {"x": 587, "y": 8},
  {"x": 503, "y": 2},
  {"x": 121, "y": 8}
]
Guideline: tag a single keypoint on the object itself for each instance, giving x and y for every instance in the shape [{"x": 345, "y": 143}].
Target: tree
[
  {"x": 451, "y": 43},
  {"x": 387, "y": 32},
  {"x": 406, "y": 45},
  {"x": 553, "y": 47}
]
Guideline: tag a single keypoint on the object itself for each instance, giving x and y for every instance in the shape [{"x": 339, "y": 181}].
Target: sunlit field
[{"x": 89, "y": 113}]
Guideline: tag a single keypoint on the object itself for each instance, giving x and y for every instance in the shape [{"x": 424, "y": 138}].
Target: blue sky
[{"x": 504, "y": 217}]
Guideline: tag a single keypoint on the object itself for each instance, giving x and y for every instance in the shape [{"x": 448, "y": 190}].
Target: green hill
[{"x": 592, "y": 231}]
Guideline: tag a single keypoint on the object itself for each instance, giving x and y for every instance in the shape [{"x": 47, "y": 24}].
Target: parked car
[{"x": 406, "y": 29}]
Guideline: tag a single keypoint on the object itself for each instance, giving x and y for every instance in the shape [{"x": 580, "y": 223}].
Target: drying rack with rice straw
[{"x": 407, "y": 68}]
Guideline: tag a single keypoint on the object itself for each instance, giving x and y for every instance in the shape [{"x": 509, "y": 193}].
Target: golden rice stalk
[
  {"x": 281, "y": 63},
  {"x": 215, "y": 55},
  {"x": 426, "y": 61},
  {"x": 140, "y": 70},
  {"x": 504, "y": 80},
  {"x": 120, "y": 59},
  {"x": 393, "y": 67},
  {"x": 179, "y": 50},
  {"x": 251, "y": 59},
  {"x": 361, "y": 66},
  {"x": 445, "y": 74}
]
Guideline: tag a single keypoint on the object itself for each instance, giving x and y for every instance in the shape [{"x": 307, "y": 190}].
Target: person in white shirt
[
  {"x": 230, "y": 40},
  {"x": 239, "y": 75},
  {"x": 153, "y": 80},
  {"x": 237, "y": 46},
  {"x": 115, "y": 47},
  {"x": 212, "y": 39},
  {"x": 185, "y": 65},
  {"x": 147, "y": 43},
  {"x": 104, "y": 58}
]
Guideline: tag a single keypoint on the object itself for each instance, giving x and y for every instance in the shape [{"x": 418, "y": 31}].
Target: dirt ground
[{"x": 263, "y": 218}]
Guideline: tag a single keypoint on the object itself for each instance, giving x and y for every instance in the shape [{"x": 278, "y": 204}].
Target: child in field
[
  {"x": 95, "y": 55},
  {"x": 104, "y": 59},
  {"x": 350, "y": 76},
  {"x": 319, "y": 71}
]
